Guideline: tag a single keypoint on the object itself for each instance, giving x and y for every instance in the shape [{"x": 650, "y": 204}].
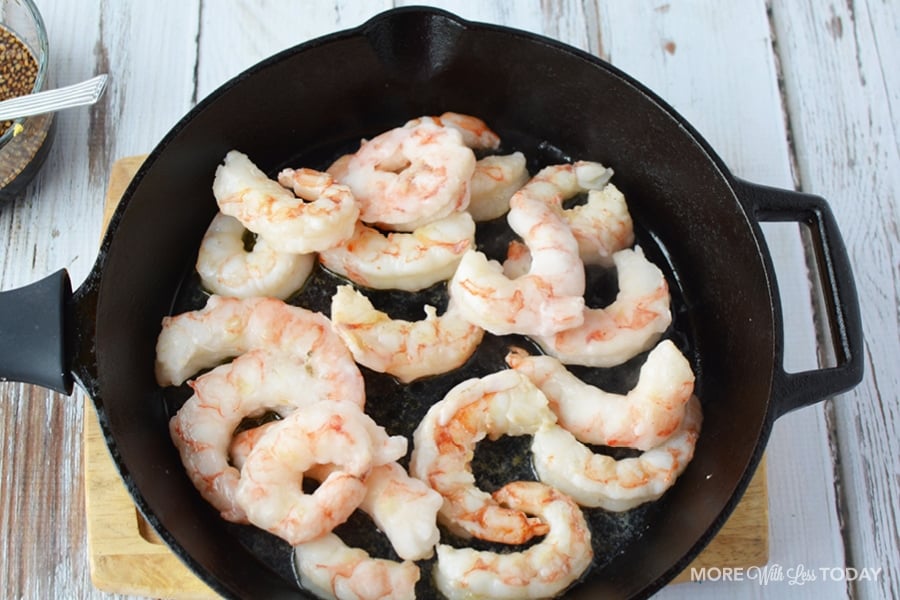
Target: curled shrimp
[
  {"x": 253, "y": 383},
  {"x": 402, "y": 507},
  {"x": 643, "y": 418},
  {"x": 547, "y": 299},
  {"x": 408, "y": 350},
  {"x": 409, "y": 176},
  {"x": 542, "y": 571},
  {"x": 329, "y": 568},
  {"x": 602, "y": 226},
  {"x": 227, "y": 268},
  {"x": 633, "y": 323},
  {"x": 494, "y": 182},
  {"x": 229, "y": 327},
  {"x": 321, "y": 215},
  {"x": 475, "y": 132},
  {"x": 339, "y": 434},
  {"x": 597, "y": 480},
  {"x": 403, "y": 261},
  {"x": 502, "y": 403}
]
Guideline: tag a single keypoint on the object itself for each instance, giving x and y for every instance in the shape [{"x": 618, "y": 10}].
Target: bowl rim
[{"x": 42, "y": 58}]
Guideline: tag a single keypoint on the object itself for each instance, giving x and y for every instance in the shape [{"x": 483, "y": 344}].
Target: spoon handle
[{"x": 79, "y": 94}]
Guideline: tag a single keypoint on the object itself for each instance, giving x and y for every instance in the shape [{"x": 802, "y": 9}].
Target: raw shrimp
[
  {"x": 633, "y": 323},
  {"x": 542, "y": 571},
  {"x": 403, "y": 261},
  {"x": 329, "y": 568},
  {"x": 227, "y": 268},
  {"x": 322, "y": 216},
  {"x": 502, "y": 403},
  {"x": 475, "y": 132},
  {"x": 409, "y": 176},
  {"x": 408, "y": 350},
  {"x": 643, "y": 418},
  {"x": 547, "y": 299},
  {"x": 253, "y": 383},
  {"x": 323, "y": 433},
  {"x": 494, "y": 182},
  {"x": 228, "y": 327},
  {"x": 596, "y": 480},
  {"x": 402, "y": 507}
]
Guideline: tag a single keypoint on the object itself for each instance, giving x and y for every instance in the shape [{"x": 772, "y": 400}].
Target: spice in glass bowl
[
  {"x": 18, "y": 70},
  {"x": 24, "y": 57}
]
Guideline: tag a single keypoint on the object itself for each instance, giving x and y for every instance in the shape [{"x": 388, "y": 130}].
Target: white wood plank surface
[
  {"x": 727, "y": 87},
  {"x": 841, "y": 80},
  {"x": 789, "y": 92}
]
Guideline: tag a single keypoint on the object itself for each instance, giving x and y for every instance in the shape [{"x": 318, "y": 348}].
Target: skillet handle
[
  {"x": 32, "y": 333},
  {"x": 796, "y": 390}
]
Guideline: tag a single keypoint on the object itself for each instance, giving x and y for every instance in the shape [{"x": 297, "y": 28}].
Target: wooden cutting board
[{"x": 127, "y": 557}]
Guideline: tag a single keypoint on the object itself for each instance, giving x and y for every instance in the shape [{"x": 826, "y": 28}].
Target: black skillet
[{"x": 309, "y": 103}]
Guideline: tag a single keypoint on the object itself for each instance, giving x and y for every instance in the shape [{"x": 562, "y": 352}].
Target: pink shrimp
[
  {"x": 408, "y": 350},
  {"x": 255, "y": 382},
  {"x": 475, "y": 132},
  {"x": 543, "y": 570},
  {"x": 633, "y": 323},
  {"x": 643, "y": 418},
  {"x": 404, "y": 261},
  {"x": 321, "y": 215},
  {"x": 597, "y": 480},
  {"x": 502, "y": 403},
  {"x": 323, "y": 433},
  {"x": 547, "y": 299},
  {"x": 409, "y": 176},
  {"x": 228, "y": 327}
]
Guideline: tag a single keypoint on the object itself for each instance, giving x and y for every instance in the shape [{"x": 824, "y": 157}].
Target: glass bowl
[{"x": 24, "y": 56}]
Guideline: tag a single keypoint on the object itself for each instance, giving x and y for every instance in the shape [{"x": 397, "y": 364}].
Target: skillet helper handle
[
  {"x": 32, "y": 333},
  {"x": 796, "y": 390}
]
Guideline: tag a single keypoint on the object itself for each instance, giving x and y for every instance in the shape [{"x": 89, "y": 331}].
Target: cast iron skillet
[{"x": 553, "y": 102}]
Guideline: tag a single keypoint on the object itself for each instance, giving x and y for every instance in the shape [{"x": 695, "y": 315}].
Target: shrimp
[
  {"x": 596, "y": 480},
  {"x": 408, "y": 350},
  {"x": 602, "y": 226},
  {"x": 405, "y": 509},
  {"x": 495, "y": 180},
  {"x": 229, "y": 327},
  {"x": 322, "y": 214},
  {"x": 542, "y": 571},
  {"x": 227, "y": 268},
  {"x": 475, "y": 132},
  {"x": 253, "y": 383},
  {"x": 643, "y": 418},
  {"x": 547, "y": 299},
  {"x": 633, "y": 323},
  {"x": 322, "y": 433},
  {"x": 502, "y": 403},
  {"x": 402, "y": 507},
  {"x": 404, "y": 261},
  {"x": 410, "y": 176},
  {"x": 329, "y": 568}
]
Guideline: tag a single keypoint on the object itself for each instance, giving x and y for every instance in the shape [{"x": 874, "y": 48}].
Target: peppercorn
[{"x": 18, "y": 69}]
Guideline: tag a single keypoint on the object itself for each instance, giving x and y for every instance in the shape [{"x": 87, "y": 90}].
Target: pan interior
[{"x": 306, "y": 107}]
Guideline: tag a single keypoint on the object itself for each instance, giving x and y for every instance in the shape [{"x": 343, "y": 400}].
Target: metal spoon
[{"x": 79, "y": 94}]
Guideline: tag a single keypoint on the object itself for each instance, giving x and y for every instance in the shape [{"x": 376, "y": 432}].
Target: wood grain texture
[
  {"x": 841, "y": 80},
  {"x": 730, "y": 68}
]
